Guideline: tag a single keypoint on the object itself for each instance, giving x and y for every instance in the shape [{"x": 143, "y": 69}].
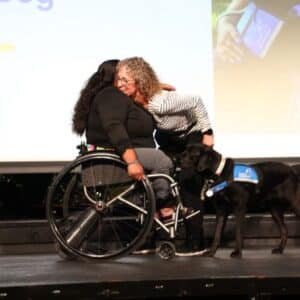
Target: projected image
[
  {"x": 48, "y": 49},
  {"x": 248, "y": 77},
  {"x": 257, "y": 66}
]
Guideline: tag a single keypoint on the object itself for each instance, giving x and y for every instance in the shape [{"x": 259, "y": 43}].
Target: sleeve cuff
[{"x": 208, "y": 132}]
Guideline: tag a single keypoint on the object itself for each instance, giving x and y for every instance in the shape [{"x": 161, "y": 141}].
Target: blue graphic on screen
[
  {"x": 258, "y": 29},
  {"x": 296, "y": 10}
]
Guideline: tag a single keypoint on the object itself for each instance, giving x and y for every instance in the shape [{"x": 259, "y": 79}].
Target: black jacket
[{"x": 116, "y": 121}]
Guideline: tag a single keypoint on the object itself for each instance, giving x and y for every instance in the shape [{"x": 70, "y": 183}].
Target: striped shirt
[{"x": 174, "y": 112}]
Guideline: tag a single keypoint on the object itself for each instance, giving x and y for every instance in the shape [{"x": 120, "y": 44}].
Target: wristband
[
  {"x": 208, "y": 132},
  {"x": 133, "y": 162}
]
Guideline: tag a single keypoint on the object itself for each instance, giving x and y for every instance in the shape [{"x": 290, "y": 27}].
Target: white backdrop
[
  {"x": 47, "y": 55},
  {"x": 48, "y": 49}
]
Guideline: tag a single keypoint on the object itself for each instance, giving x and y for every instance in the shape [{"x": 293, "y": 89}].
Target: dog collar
[
  {"x": 216, "y": 188},
  {"x": 221, "y": 166}
]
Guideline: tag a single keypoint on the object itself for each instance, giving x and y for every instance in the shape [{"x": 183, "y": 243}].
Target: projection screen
[{"x": 48, "y": 49}]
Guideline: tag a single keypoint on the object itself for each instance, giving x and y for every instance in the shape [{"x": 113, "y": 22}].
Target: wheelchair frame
[{"x": 108, "y": 215}]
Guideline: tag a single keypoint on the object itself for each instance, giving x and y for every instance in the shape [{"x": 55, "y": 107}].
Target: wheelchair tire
[
  {"x": 101, "y": 216},
  {"x": 166, "y": 250}
]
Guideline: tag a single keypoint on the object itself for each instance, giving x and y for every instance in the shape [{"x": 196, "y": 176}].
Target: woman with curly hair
[
  {"x": 180, "y": 120},
  {"x": 110, "y": 119}
]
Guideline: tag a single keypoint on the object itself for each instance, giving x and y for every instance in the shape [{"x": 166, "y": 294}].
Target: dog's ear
[
  {"x": 187, "y": 157},
  {"x": 201, "y": 164},
  {"x": 208, "y": 159},
  {"x": 207, "y": 148},
  {"x": 190, "y": 156}
]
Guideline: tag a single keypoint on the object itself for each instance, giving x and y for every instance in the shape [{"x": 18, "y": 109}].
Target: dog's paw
[
  {"x": 208, "y": 253},
  {"x": 277, "y": 250},
  {"x": 236, "y": 254}
]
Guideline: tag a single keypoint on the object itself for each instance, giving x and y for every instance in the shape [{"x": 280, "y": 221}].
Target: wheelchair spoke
[{"x": 119, "y": 196}]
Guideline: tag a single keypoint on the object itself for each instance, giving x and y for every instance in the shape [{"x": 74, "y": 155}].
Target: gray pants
[{"x": 155, "y": 161}]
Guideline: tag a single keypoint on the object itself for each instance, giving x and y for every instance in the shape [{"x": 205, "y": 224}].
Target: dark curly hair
[{"x": 104, "y": 77}]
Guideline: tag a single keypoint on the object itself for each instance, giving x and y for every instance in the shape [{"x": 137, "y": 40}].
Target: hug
[{"x": 121, "y": 106}]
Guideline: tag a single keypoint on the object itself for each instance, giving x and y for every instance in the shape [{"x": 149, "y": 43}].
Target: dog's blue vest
[{"x": 241, "y": 173}]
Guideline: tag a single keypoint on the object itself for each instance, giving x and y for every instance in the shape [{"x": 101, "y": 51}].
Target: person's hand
[
  {"x": 136, "y": 171},
  {"x": 167, "y": 87},
  {"x": 229, "y": 46},
  {"x": 208, "y": 140}
]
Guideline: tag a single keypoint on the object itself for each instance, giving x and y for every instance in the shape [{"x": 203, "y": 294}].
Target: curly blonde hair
[{"x": 143, "y": 74}]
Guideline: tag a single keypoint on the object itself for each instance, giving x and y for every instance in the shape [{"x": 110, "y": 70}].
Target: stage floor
[{"x": 148, "y": 276}]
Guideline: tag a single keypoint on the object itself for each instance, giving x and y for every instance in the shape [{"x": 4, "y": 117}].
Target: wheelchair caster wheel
[{"x": 166, "y": 250}]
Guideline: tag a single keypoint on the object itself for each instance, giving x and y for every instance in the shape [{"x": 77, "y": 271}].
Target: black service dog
[{"x": 276, "y": 184}]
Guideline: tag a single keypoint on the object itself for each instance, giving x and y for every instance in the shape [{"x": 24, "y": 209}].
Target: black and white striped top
[{"x": 174, "y": 112}]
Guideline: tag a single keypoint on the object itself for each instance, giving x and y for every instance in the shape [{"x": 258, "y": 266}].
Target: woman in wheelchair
[
  {"x": 110, "y": 119},
  {"x": 102, "y": 205}
]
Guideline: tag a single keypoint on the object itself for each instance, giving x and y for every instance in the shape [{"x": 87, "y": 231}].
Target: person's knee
[
  {"x": 164, "y": 164},
  {"x": 167, "y": 164}
]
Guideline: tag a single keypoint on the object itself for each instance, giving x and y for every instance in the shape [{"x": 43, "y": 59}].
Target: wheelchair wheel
[
  {"x": 166, "y": 250},
  {"x": 96, "y": 211}
]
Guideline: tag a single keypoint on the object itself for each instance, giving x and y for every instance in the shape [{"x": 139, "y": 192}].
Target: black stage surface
[{"x": 258, "y": 275}]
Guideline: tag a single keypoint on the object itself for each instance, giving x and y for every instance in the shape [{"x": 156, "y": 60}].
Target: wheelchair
[{"x": 96, "y": 211}]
